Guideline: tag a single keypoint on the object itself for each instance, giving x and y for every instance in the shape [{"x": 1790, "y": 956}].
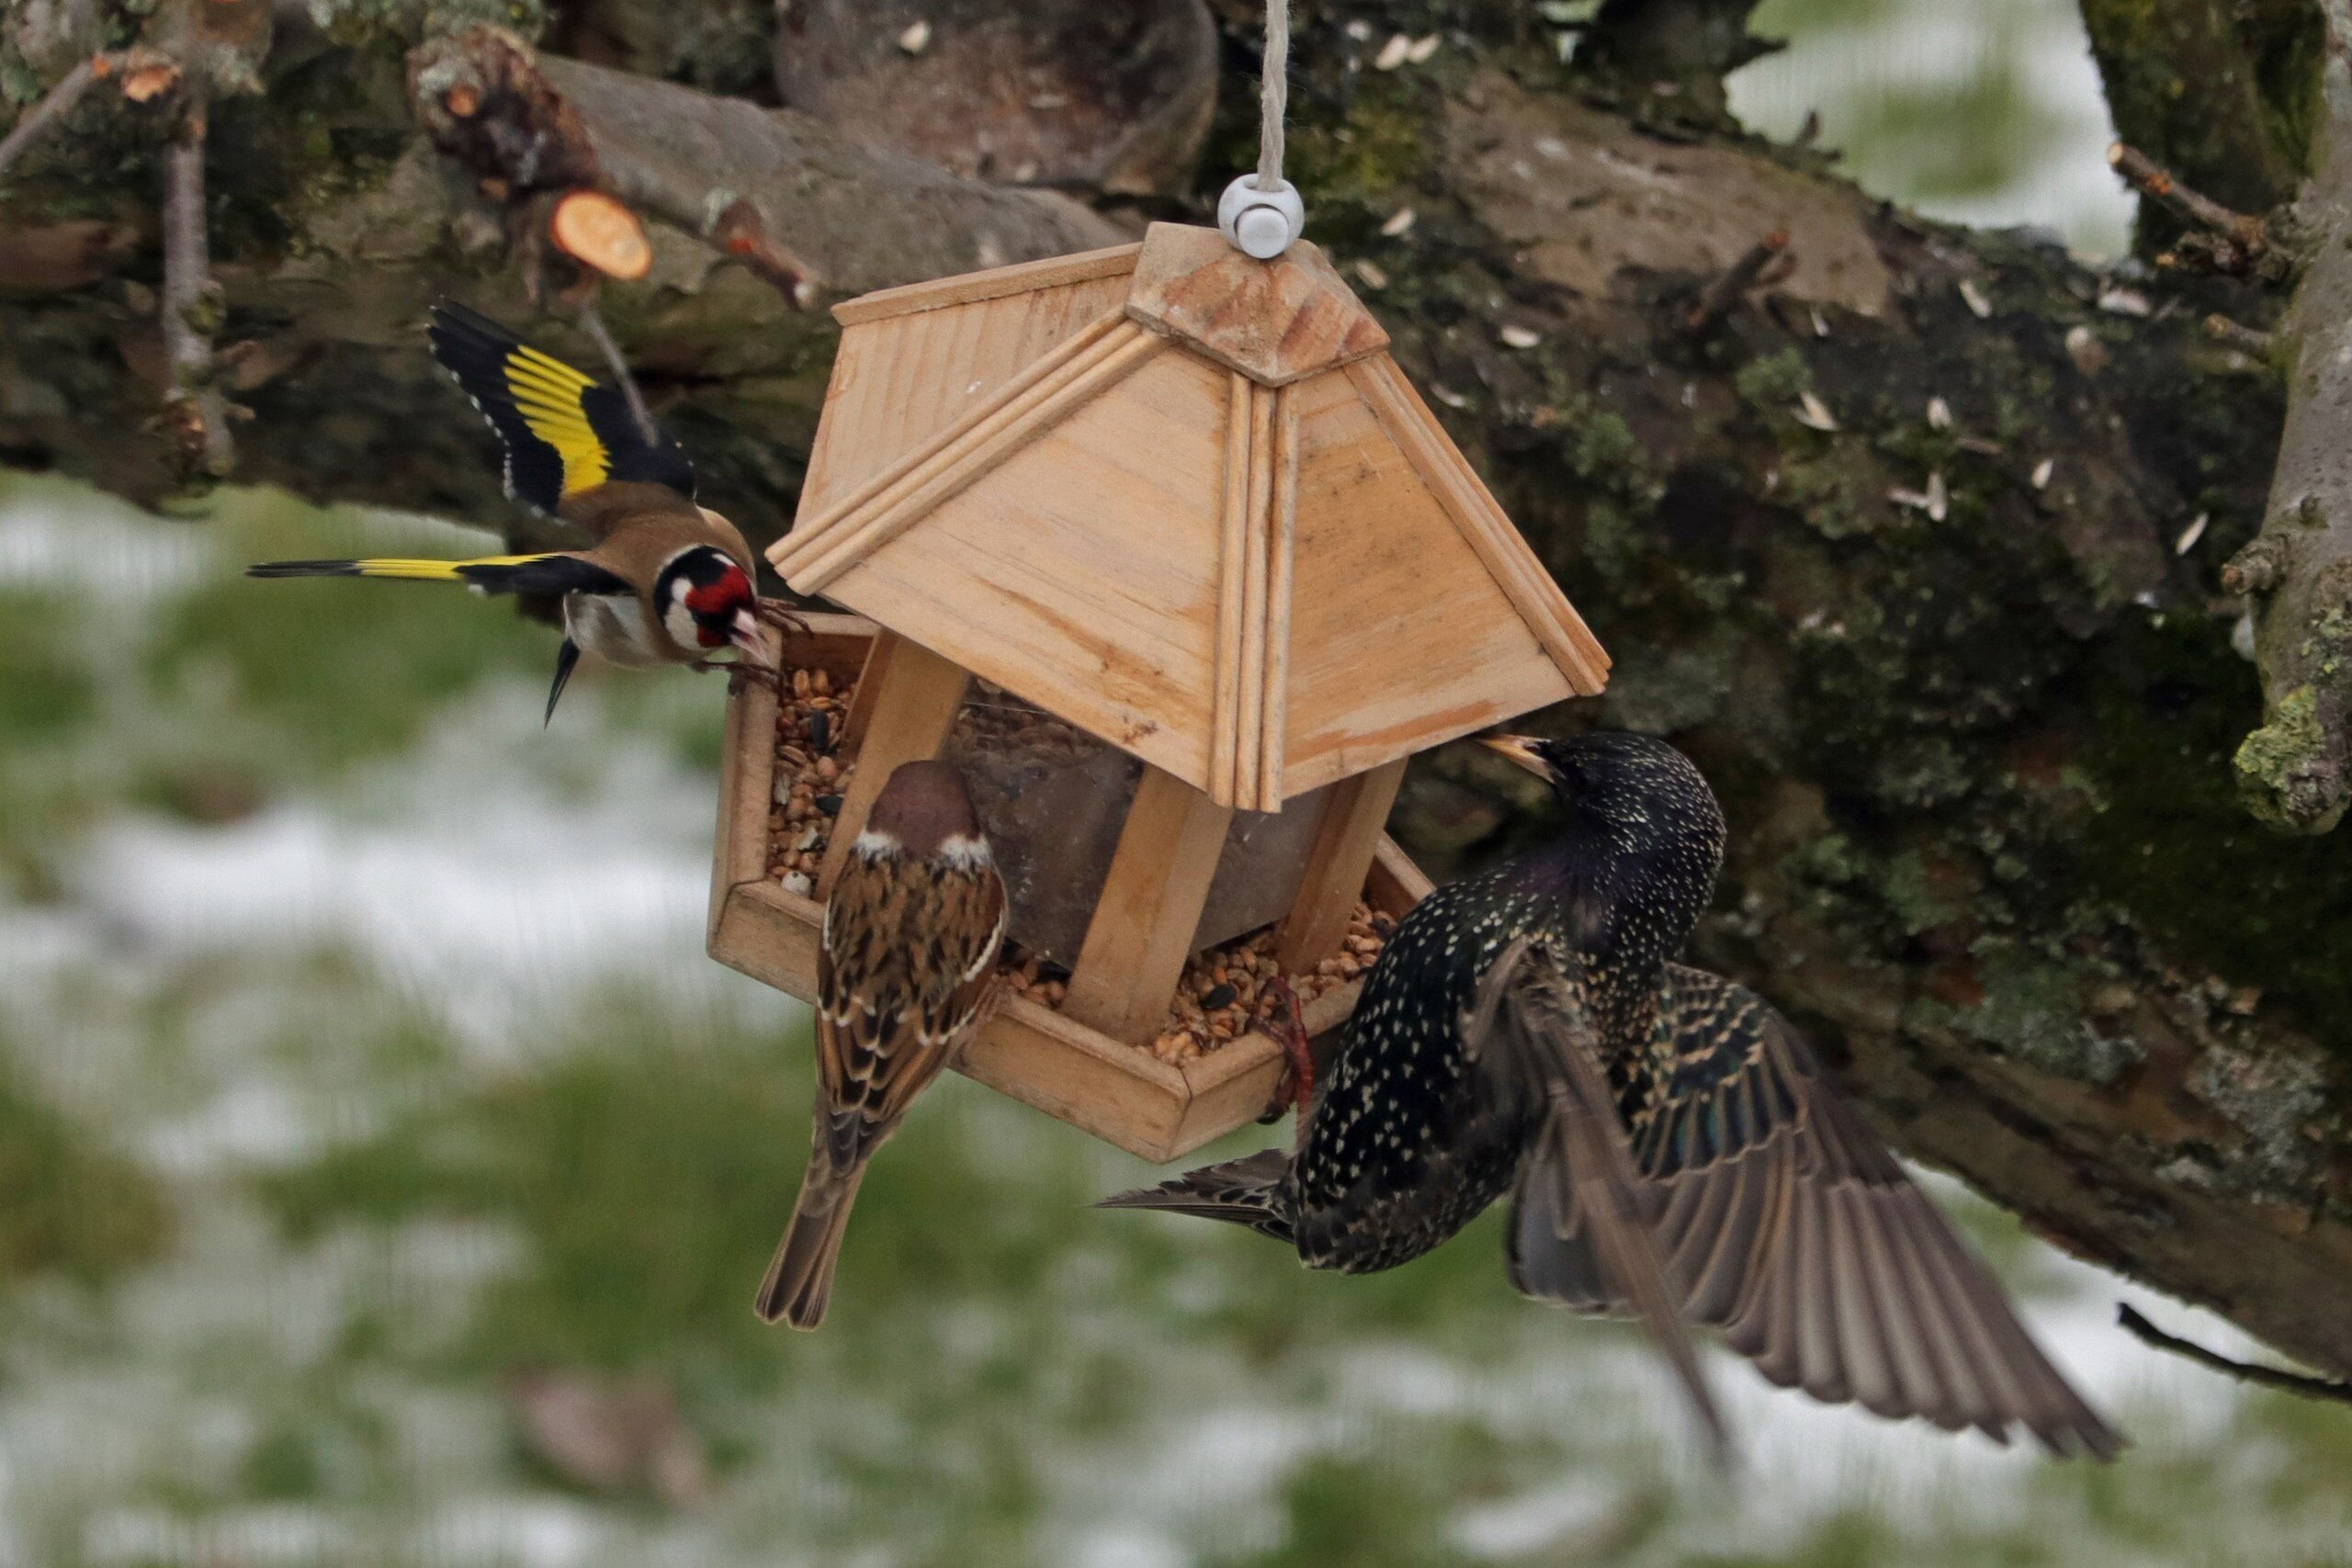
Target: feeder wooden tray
[{"x": 1117, "y": 1091}]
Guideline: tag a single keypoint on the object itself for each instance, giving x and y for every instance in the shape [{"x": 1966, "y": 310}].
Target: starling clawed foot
[{"x": 1282, "y": 1018}]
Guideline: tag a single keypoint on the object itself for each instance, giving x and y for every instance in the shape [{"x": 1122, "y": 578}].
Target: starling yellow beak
[{"x": 1519, "y": 748}]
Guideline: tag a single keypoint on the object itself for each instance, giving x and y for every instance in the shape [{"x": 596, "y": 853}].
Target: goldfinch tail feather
[{"x": 555, "y": 573}]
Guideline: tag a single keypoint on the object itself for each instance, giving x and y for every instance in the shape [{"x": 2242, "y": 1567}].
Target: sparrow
[
  {"x": 906, "y": 976},
  {"x": 1671, "y": 1145},
  {"x": 662, "y": 580}
]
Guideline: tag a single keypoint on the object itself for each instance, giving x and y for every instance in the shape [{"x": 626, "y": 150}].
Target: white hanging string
[
  {"x": 1261, "y": 213},
  {"x": 1273, "y": 95}
]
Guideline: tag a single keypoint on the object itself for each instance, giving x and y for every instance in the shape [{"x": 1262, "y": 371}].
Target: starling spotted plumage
[
  {"x": 906, "y": 972},
  {"x": 1672, "y": 1145},
  {"x": 661, "y": 582}
]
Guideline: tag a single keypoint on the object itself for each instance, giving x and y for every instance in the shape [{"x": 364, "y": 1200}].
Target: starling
[
  {"x": 1664, "y": 1133},
  {"x": 906, "y": 974}
]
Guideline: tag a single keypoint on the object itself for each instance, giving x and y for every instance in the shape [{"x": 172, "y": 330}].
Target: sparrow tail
[{"x": 800, "y": 1277}]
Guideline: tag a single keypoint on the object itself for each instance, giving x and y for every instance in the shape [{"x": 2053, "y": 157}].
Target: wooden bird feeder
[{"x": 1179, "y": 507}]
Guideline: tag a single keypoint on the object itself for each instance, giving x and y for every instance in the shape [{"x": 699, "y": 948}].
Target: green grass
[
  {"x": 69, "y": 1203},
  {"x": 644, "y": 1177},
  {"x": 323, "y": 673}
]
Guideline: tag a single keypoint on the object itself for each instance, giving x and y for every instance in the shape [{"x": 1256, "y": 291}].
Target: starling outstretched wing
[
  {"x": 1578, "y": 1201},
  {"x": 1792, "y": 1229}
]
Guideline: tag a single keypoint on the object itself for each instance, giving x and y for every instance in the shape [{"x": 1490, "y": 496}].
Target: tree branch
[
  {"x": 196, "y": 412},
  {"x": 2224, "y": 240},
  {"x": 2128, "y": 1318},
  {"x": 740, "y": 177},
  {"x": 2296, "y": 769},
  {"x": 54, "y": 105}
]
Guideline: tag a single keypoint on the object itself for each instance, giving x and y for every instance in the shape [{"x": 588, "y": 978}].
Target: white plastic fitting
[{"x": 1262, "y": 223}]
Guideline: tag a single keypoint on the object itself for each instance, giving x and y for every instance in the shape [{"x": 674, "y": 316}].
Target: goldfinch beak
[
  {"x": 751, "y": 642},
  {"x": 1519, "y": 748}
]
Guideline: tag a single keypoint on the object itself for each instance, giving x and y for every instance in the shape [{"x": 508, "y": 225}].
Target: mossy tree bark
[{"x": 1890, "y": 546}]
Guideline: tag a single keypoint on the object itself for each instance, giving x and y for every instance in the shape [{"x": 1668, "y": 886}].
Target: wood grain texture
[
  {"x": 1116, "y": 1092},
  {"x": 746, "y": 775},
  {"x": 962, "y": 463},
  {"x": 1339, "y": 866},
  {"x": 1224, "y": 735},
  {"x": 1275, "y": 322},
  {"x": 897, "y": 383},
  {"x": 1447, "y": 473},
  {"x": 1281, "y": 527},
  {"x": 810, "y": 529},
  {"x": 917, "y": 697},
  {"x": 1249, "y": 728},
  {"x": 1395, "y": 883},
  {"x": 1399, "y": 637},
  {"x": 1124, "y": 980},
  {"x": 1082, "y": 572},
  {"x": 972, "y": 288}
]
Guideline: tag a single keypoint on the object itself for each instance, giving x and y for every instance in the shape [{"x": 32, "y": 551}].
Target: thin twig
[
  {"x": 2153, "y": 179},
  {"x": 2267, "y": 1377},
  {"x": 594, "y": 325},
  {"x": 145, "y": 73},
  {"x": 194, "y": 406},
  {"x": 2238, "y": 335},
  {"x": 1735, "y": 281},
  {"x": 54, "y": 105},
  {"x": 2221, "y": 237}
]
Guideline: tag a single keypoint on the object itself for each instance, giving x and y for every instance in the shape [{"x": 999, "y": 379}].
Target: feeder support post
[
  {"x": 1142, "y": 930},
  {"x": 1338, "y": 865},
  {"x": 916, "y": 697}
]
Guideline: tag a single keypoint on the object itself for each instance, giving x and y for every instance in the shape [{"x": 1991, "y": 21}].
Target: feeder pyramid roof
[{"x": 1185, "y": 500}]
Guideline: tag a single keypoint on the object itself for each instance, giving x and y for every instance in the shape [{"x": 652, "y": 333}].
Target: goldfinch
[
  {"x": 906, "y": 975},
  {"x": 661, "y": 582}
]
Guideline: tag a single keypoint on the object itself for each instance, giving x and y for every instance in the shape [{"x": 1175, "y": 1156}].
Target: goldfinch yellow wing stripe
[{"x": 563, "y": 430}]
